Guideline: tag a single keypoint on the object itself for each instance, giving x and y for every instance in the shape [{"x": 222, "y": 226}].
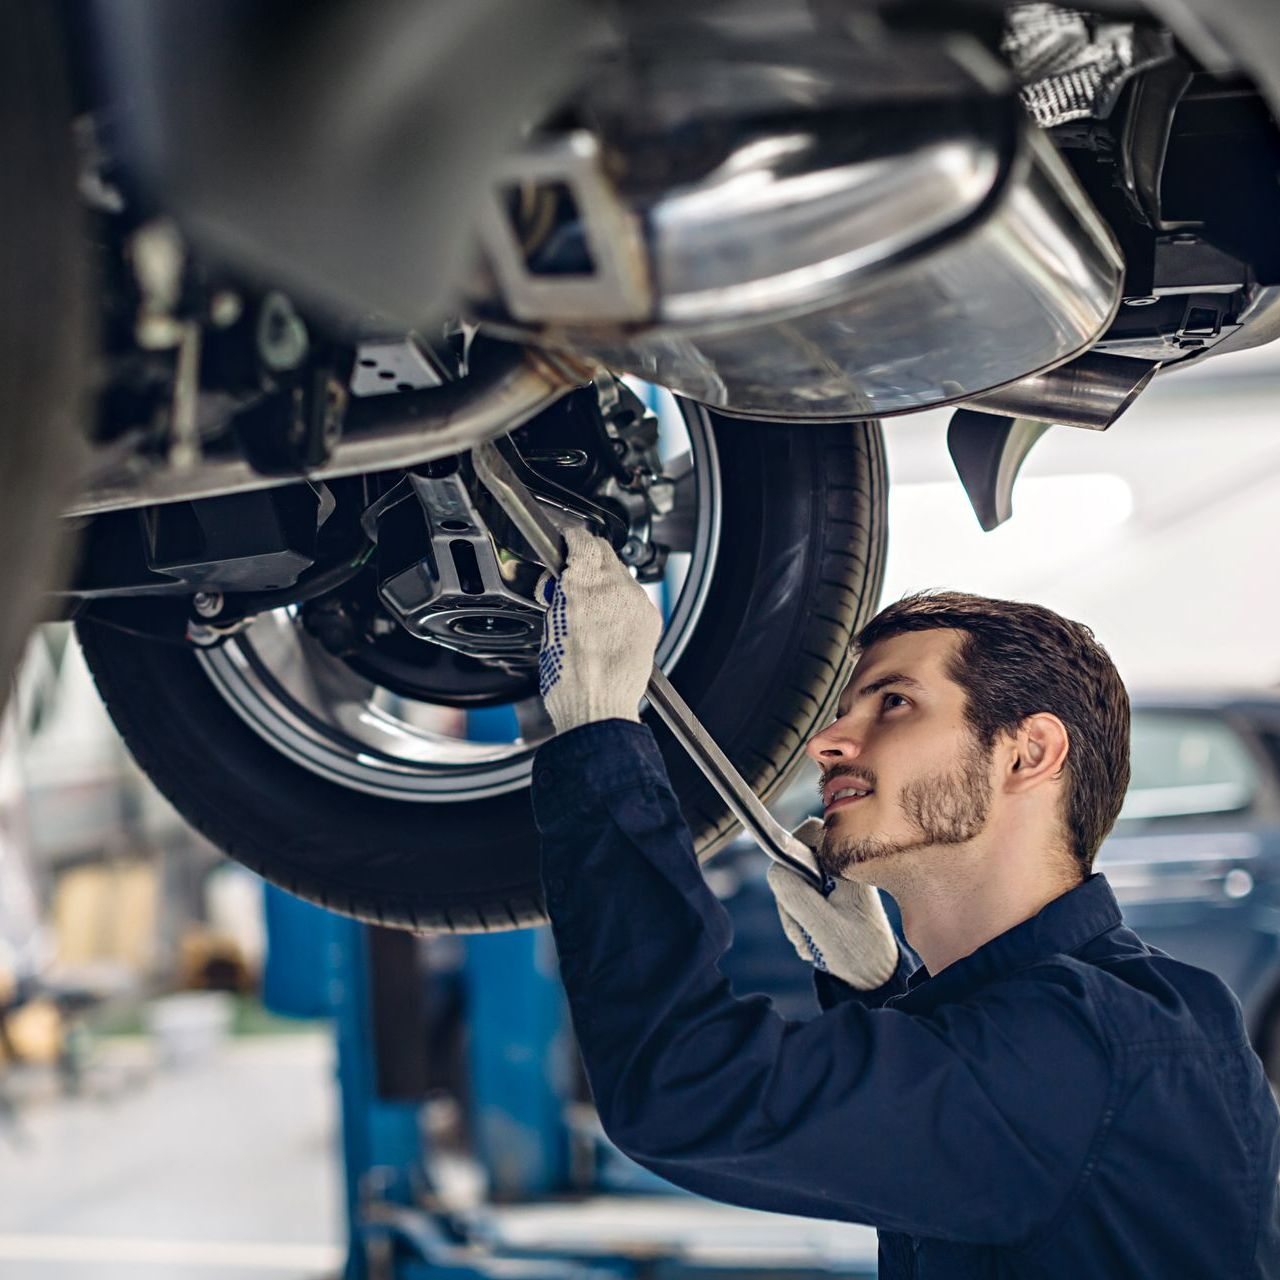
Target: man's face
[{"x": 901, "y": 737}]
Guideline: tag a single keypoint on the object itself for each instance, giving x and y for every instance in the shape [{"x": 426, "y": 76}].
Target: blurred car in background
[{"x": 1194, "y": 858}]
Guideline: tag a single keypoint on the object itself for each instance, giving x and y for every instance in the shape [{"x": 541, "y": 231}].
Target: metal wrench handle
[
  {"x": 734, "y": 789},
  {"x": 497, "y": 475}
]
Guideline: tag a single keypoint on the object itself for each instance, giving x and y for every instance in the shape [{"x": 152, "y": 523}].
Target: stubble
[{"x": 943, "y": 809}]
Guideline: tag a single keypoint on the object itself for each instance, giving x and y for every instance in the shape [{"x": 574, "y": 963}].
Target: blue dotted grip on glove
[
  {"x": 815, "y": 951},
  {"x": 556, "y": 628}
]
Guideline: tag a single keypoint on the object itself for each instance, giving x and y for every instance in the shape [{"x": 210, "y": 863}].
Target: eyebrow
[{"x": 894, "y": 677}]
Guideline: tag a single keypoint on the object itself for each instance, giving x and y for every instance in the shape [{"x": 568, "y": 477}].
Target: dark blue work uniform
[{"x": 1064, "y": 1102}]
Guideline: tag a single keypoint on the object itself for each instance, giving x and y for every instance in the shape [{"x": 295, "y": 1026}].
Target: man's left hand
[{"x": 842, "y": 930}]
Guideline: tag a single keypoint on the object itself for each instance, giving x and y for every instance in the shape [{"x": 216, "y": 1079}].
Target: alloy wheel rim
[{"x": 319, "y": 713}]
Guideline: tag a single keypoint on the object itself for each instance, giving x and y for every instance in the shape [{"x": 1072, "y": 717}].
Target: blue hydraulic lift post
[
  {"x": 519, "y": 1056},
  {"x": 519, "y": 1062},
  {"x": 381, "y": 1141},
  {"x": 317, "y": 965}
]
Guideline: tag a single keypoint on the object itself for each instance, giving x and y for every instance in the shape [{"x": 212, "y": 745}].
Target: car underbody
[{"x": 646, "y": 251}]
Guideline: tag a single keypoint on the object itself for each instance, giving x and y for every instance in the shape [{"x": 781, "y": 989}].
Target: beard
[{"x": 943, "y": 808}]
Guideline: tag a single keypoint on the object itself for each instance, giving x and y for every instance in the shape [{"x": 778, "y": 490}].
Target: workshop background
[{"x": 159, "y": 1118}]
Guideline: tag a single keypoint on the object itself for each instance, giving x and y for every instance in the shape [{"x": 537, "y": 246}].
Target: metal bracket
[{"x": 616, "y": 287}]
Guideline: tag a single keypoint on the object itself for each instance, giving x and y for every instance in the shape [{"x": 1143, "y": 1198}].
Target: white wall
[{"x": 1160, "y": 534}]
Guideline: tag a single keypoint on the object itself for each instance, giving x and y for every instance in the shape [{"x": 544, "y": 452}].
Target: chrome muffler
[{"x": 802, "y": 233}]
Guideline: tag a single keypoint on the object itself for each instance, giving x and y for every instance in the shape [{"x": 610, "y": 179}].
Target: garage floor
[
  {"x": 228, "y": 1169},
  {"x": 231, "y": 1169},
  {"x": 698, "y": 1232}
]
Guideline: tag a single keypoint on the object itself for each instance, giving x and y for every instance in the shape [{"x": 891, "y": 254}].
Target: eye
[{"x": 888, "y": 706}]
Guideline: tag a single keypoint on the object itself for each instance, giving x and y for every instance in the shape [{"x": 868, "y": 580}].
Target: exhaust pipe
[
  {"x": 506, "y": 386},
  {"x": 990, "y": 437},
  {"x": 1091, "y": 392}
]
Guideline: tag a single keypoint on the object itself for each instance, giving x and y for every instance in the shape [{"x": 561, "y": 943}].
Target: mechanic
[{"x": 1044, "y": 1096}]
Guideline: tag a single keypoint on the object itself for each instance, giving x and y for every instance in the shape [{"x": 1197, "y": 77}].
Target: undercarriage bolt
[
  {"x": 225, "y": 308},
  {"x": 208, "y": 604},
  {"x": 633, "y": 552},
  {"x": 282, "y": 336},
  {"x": 655, "y": 567}
]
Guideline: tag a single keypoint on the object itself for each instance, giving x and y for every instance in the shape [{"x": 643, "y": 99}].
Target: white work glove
[
  {"x": 845, "y": 931},
  {"x": 598, "y": 640}
]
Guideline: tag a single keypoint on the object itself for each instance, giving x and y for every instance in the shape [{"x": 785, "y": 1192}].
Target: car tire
[{"x": 800, "y": 567}]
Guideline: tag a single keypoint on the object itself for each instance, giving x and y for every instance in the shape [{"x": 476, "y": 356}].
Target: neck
[{"x": 981, "y": 895}]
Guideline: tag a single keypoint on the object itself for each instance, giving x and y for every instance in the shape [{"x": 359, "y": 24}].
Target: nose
[{"x": 834, "y": 744}]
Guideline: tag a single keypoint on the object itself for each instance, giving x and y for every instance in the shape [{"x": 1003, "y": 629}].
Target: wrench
[{"x": 512, "y": 495}]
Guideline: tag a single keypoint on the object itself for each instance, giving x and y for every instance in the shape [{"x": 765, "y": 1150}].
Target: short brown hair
[{"x": 1017, "y": 659}]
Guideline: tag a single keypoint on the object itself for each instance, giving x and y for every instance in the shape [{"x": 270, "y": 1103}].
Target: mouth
[{"x": 843, "y": 797}]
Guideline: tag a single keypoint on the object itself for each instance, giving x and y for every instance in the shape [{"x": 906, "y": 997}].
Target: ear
[{"x": 1037, "y": 753}]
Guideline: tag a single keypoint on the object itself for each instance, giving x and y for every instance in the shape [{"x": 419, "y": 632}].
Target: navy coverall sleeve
[{"x": 949, "y": 1125}]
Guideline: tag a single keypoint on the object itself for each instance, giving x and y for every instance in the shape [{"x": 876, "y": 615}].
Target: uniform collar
[{"x": 1058, "y": 928}]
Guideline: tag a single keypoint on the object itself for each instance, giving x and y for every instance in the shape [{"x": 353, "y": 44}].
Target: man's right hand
[
  {"x": 599, "y": 639},
  {"x": 843, "y": 931}
]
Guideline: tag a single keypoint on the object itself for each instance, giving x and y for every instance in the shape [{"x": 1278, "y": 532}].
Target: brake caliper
[{"x": 637, "y": 484}]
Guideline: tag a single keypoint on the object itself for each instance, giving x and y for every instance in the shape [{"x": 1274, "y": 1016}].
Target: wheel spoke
[{"x": 531, "y": 716}]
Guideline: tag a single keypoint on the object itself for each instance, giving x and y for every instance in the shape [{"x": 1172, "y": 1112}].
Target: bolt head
[
  {"x": 281, "y": 335},
  {"x": 225, "y": 308},
  {"x": 208, "y": 604}
]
